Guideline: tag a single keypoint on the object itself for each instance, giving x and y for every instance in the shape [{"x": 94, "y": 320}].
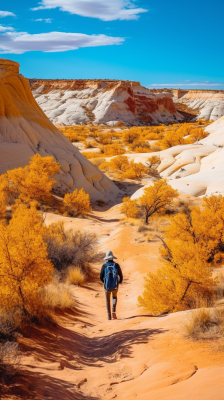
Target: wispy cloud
[
  {"x": 21, "y": 42},
  {"x": 187, "y": 84},
  {"x": 106, "y": 10},
  {"x": 6, "y": 14},
  {"x": 47, "y": 20},
  {"x": 6, "y": 28}
]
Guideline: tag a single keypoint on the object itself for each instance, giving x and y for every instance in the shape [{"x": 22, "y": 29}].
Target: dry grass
[
  {"x": 205, "y": 324},
  {"x": 76, "y": 276},
  {"x": 57, "y": 295},
  {"x": 9, "y": 360}
]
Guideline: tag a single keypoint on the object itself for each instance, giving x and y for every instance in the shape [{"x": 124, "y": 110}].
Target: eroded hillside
[{"x": 69, "y": 102}]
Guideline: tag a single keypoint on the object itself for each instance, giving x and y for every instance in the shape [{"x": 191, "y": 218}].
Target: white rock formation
[
  {"x": 102, "y": 101},
  {"x": 208, "y": 105},
  {"x": 194, "y": 169},
  {"x": 25, "y": 130}
]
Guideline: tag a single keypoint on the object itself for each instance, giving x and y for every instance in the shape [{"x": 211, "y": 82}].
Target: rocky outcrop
[
  {"x": 69, "y": 102},
  {"x": 25, "y": 130},
  {"x": 203, "y": 104}
]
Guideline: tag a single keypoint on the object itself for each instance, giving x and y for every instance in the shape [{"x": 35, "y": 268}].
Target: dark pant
[{"x": 108, "y": 297}]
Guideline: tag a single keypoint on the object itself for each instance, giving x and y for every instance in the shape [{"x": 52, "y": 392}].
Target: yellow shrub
[
  {"x": 119, "y": 163},
  {"x": 78, "y": 202},
  {"x": 76, "y": 276},
  {"x": 129, "y": 207},
  {"x": 35, "y": 181},
  {"x": 57, "y": 295},
  {"x": 24, "y": 266},
  {"x": 136, "y": 171},
  {"x": 113, "y": 150}
]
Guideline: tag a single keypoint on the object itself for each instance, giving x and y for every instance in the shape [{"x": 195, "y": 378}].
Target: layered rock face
[
  {"x": 207, "y": 105},
  {"x": 25, "y": 130},
  {"x": 69, "y": 102},
  {"x": 203, "y": 104}
]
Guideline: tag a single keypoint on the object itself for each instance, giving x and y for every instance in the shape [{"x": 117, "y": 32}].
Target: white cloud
[
  {"x": 21, "y": 42},
  {"x": 6, "y": 28},
  {"x": 106, "y": 10},
  {"x": 187, "y": 84},
  {"x": 6, "y": 14},
  {"x": 47, "y": 20}
]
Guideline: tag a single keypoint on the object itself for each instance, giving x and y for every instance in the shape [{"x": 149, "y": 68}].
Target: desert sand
[{"x": 136, "y": 356}]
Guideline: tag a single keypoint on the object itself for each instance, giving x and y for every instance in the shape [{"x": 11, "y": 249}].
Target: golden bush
[
  {"x": 129, "y": 207},
  {"x": 78, "y": 202},
  {"x": 76, "y": 276}
]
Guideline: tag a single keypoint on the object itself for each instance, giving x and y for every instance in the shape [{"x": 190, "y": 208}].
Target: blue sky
[{"x": 160, "y": 43}]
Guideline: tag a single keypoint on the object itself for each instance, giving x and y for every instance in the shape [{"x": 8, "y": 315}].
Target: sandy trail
[{"x": 135, "y": 357}]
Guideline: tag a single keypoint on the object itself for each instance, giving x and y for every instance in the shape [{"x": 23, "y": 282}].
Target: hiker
[{"x": 111, "y": 276}]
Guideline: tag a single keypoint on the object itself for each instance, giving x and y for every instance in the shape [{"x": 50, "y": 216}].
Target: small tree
[
  {"x": 193, "y": 245},
  {"x": 78, "y": 202},
  {"x": 129, "y": 207},
  {"x": 24, "y": 264},
  {"x": 157, "y": 197}
]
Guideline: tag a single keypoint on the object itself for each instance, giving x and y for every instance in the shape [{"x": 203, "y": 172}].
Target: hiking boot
[
  {"x": 114, "y": 315},
  {"x": 109, "y": 316}
]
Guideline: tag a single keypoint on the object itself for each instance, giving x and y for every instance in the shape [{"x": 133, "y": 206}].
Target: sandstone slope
[
  {"x": 25, "y": 130},
  {"x": 69, "y": 102}
]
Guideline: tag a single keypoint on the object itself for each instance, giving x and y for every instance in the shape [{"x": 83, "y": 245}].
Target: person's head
[{"x": 109, "y": 256}]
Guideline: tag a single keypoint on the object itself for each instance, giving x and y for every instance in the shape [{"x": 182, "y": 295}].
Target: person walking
[{"x": 111, "y": 276}]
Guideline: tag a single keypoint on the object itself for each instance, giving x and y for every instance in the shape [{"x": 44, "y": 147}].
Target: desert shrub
[
  {"x": 104, "y": 138},
  {"x": 35, "y": 181},
  {"x": 56, "y": 295},
  {"x": 119, "y": 163},
  {"x": 114, "y": 149},
  {"x": 77, "y": 203},
  {"x": 66, "y": 248},
  {"x": 205, "y": 323},
  {"x": 91, "y": 155},
  {"x": 157, "y": 197},
  {"x": 9, "y": 360},
  {"x": 154, "y": 161},
  {"x": 98, "y": 161},
  {"x": 129, "y": 136},
  {"x": 129, "y": 207},
  {"x": 24, "y": 266},
  {"x": 10, "y": 322},
  {"x": 105, "y": 166},
  {"x": 142, "y": 149},
  {"x": 136, "y": 171},
  {"x": 76, "y": 276}
]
